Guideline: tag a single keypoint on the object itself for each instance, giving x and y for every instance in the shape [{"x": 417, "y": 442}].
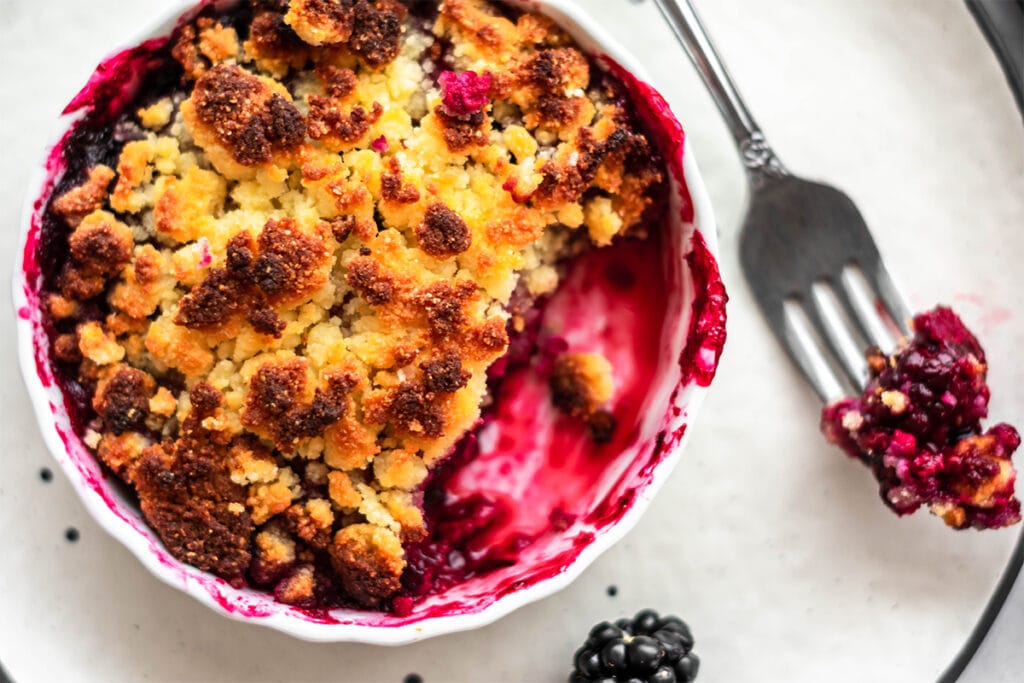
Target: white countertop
[{"x": 770, "y": 543}]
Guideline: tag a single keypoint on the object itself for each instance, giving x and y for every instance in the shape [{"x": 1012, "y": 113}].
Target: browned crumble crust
[
  {"x": 86, "y": 198},
  {"x": 273, "y": 43},
  {"x": 282, "y": 265},
  {"x": 244, "y": 115},
  {"x": 203, "y": 43},
  {"x": 322, "y": 21},
  {"x": 377, "y": 31},
  {"x": 445, "y": 374},
  {"x": 365, "y": 556},
  {"x": 186, "y": 493},
  {"x": 442, "y": 233},
  {"x": 304, "y": 266},
  {"x": 393, "y": 189},
  {"x": 338, "y": 82},
  {"x": 100, "y": 247},
  {"x": 462, "y": 134},
  {"x": 327, "y": 121},
  {"x": 298, "y": 588},
  {"x": 122, "y": 399}
]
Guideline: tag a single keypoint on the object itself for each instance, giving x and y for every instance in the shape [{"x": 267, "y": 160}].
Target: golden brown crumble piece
[
  {"x": 187, "y": 495},
  {"x": 377, "y": 31},
  {"x": 163, "y": 403},
  {"x": 556, "y": 70},
  {"x": 411, "y": 409},
  {"x": 370, "y": 30},
  {"x": 311, "y": 522},
  {"x": 290, "y": 262},
  {"x": 370, "y": 561},
  {"x": 298, "y": 588},
  {"x": 444, "y": 304},
  {"x": 392, "y": 187},
  {"x": 65, "y": 348},
  {"x": 186, "y": 52},
  {"x": 266, "y": 321},
  {"x": 97, "y": 344},
  {"x": 274, "y": 390},
  {"x": 122, "y": 398},
  {"x": 101, "y": 244},
  {"x": 204, "y": 398},
  {"x": 550, "y": 89},
  {"x": 320, "y": 22},
  {"x": 329, "y": 122},
  {"x": 480, "y": 23},
  {"x": 214, "y": 301},
  {"x": 566, "y": 182},
  {"x": 341, "y": 227},
  {"x": 79, "y": 202},
  {"x": 341, "y": 490},
  {"x": 443, "y": 233},
  {"x": 580, "y": 383},
  {"x": 401, "y": 506},
  {"x": 367, "y": 277},
  {"x": 242, "y": 113},
  {"x": 338, "y": 82},
  {"x": 462, "y": 134},
  {"x": 284, "y": 264},
  {"x": 980, "y": 491},
  {"x": 100, "y": 247},
  {"x": 119, "y": 452},
  {"x": 203, "y": 43},
  {"x": 486, "y": 341},
  {"x": 444, "y": 375},
  {"x": 279, "y": 406},
  {"x": 60, "y": 307},
  {"x": 274, "y": 554},
  {"x": 273, "y": 43}
]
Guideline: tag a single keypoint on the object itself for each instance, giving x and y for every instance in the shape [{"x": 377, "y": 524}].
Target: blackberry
[{"x": 647, "y": 648}]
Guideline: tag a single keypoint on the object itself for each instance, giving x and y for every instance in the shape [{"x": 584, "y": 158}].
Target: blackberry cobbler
[{"x": 283, "y": 271}]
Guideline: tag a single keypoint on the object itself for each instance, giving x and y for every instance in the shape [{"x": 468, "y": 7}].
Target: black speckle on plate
[
  {"x": 612, "y": 591},
  {"x": 71, "y": 534},
  {"x": 46, "y": 475},
  {"x": 413, "y": 678}
]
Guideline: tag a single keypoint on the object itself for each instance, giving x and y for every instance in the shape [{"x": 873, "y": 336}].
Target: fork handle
[{"x": 758, "y": 157}]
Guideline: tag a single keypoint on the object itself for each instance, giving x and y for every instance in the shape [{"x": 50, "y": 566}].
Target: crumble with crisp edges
[{"x": 283, "y": 293}]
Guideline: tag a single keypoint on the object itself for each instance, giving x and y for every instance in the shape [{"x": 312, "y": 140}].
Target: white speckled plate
[{"x": 771, "y": 544}]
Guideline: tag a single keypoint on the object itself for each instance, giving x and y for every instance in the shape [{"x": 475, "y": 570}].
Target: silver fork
[{"x": 804, "y": 247}]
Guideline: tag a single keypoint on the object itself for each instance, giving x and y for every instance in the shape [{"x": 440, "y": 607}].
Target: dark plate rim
[{"x": 1002, "y": 23}]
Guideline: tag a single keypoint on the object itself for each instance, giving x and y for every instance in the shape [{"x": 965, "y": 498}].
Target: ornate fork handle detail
[{"x": 759, "y": 158}]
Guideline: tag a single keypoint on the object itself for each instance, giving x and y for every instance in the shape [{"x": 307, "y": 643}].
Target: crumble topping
[
  {"x": 283, "y": 293},
  {"x": 581, "y": 383},
  {"x": 918, "y": 427}
]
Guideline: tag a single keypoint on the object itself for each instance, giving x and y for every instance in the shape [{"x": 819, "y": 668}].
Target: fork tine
[
  {"x": 835, "y": 336},
  {"x": 856, "y": 297},
  {"x": 881, "y": 282},
  {"x": 799, "y": 340}
]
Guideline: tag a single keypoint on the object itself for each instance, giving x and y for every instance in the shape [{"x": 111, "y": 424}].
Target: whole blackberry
[{"x": 647, "y": 648}]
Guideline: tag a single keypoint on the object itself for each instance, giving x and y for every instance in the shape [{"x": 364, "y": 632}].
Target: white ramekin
[{"x": 120, "y": 516}]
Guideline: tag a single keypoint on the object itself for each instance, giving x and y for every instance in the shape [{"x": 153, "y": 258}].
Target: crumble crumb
[{"x": 581, "y": 383}]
